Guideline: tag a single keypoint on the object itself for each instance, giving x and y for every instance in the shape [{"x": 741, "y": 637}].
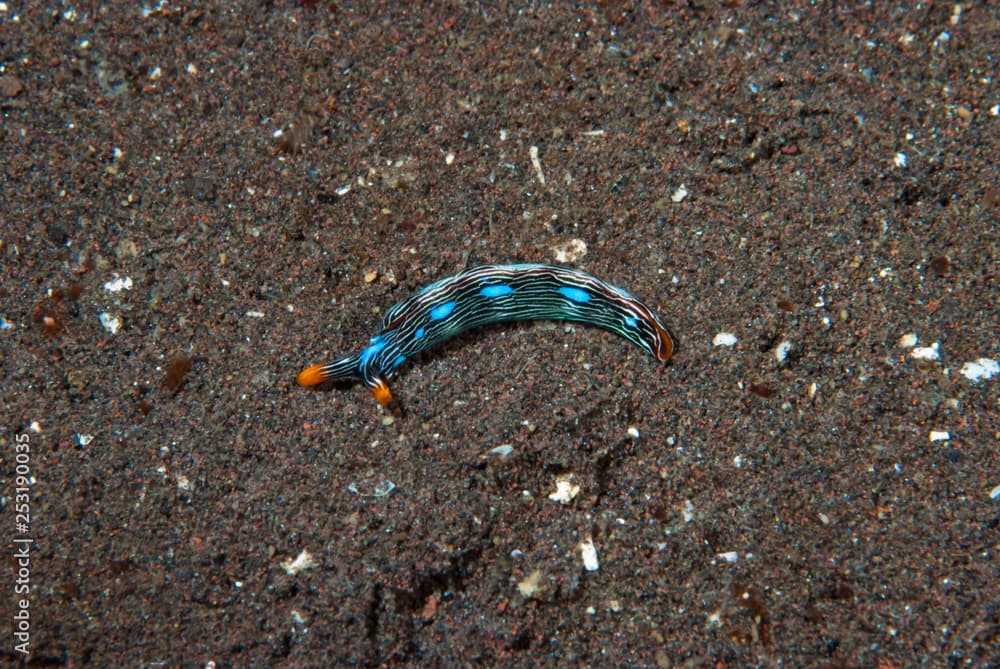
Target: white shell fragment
[
  {"x": 931, "y": 352},
  {"x": 939, "y": 435},
  {"x": 679, "y": 194},
  {"x": 380, "y": 489},
  {"x": 569, "y": 251},
  {"x": 782, "y": 350},
  {"x": 724, "y": 339},
  {"x": 530, "y": 584},
  {"x": 687, "y": 511},
  {"x": 566, "y": 489},
  {"x": 118, "y": 284},
  {"x": 909, "y": 340},
  {"x": 589, "y": 554},
  {"x": 110, "y": 323},
  {"x": 536, "y": 163},
  {"x": 984, "y": 368},
  {"x": 303, "y": 561}
]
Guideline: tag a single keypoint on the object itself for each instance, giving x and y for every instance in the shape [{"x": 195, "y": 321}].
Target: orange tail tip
[
  {"x": 381, "y": 392},
  {"x": 312, "y": 375}
]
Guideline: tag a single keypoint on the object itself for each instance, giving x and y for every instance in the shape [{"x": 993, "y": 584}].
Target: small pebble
[
  {"x": 931, "y": 352},
  {"x": 589, "y": 554},
  {"x": 983, "y": 368},
  {"x": 724, "y": 339}
]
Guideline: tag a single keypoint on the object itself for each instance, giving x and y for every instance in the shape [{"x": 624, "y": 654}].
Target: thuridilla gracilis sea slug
[{"x": 493, "y": 294}]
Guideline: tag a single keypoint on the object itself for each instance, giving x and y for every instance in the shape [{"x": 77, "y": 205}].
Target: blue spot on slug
[
  {"x": 574, "y": 294},
  {"x": 400, "y": 359},
  {"x": 496, "y": 291},
  {"x": 371, "y": 351},
  {"x": 419, "y": 333},
  {"x": 631, "y": 322},
  {"x": 442, "y": 311}
]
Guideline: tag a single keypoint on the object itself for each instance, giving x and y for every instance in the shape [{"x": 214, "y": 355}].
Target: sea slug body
[{"x": 493, "y": 294}]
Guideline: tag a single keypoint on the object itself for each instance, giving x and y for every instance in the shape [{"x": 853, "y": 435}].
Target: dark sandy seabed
[{"x": 201, "y": 199}]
